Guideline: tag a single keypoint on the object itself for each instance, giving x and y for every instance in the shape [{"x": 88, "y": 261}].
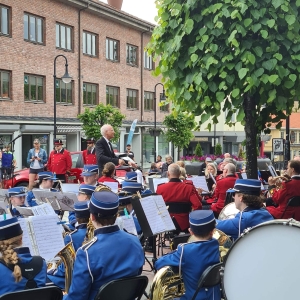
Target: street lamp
[
  {"x": 155, "y": 133},
  {"x": 66, "y": 79}
]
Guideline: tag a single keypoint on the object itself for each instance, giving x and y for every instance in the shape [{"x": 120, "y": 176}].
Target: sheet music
[
  {"x": 199, "y": 182},
  {"x": 25, "y": 211},
  {"x": 128, "y": 224},
  {"x": 48, "y": 237},
  {"x": 70, "y": 188},
  {"x": 43, "y": 209},
  {"x": 4, "y": 195},
  {"x": 3, "y": 208},
  {"x": 244, "y": 175},
  {"x": 157, "y": 181},
  {"x": 113, "y": 185},
  {"x": 27, "y": 239}
]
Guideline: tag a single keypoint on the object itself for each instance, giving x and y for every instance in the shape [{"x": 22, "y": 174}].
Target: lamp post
[
  {"x": 155, "y": 133},
  {"x": 66, "y": 79}
]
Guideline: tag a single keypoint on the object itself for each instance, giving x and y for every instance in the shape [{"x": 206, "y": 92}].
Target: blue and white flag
[{"x": 130, "y": 135}]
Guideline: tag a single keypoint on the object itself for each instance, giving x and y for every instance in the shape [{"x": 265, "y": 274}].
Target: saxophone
[{"x": 90, "y": 227}]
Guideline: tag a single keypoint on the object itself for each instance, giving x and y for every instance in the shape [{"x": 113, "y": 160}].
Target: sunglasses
[{"x": 35, "y": 143}]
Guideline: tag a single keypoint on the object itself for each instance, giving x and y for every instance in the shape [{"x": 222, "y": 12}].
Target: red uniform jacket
[
  {"x": 180, "y": 192},
  {"x": 220, "y": 192},
  {"x": 89, "y": 157},
  {"x": 109, "y": 179},
  {"x": 282, "y": 196},
  {"x": 59, "y": 163}
]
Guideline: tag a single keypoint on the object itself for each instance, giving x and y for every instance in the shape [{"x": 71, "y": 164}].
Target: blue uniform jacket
[
  {"x": 7, "y": 282},
  {"x": 250, "y": 217},
  {"x": 196, "y": 257},
  {"x": 101, "y": 261},
  {"x": 76, "y": 237}
]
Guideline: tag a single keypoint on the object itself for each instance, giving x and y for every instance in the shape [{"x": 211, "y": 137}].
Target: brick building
[{"x": 106, "y": 59}]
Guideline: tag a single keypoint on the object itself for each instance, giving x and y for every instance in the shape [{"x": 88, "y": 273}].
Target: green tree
[
  {"x": 179, "y": 129},
  {"x": 218, "y": 149},
  {"x": 239, "y": 56},
  {"x": 198, "y": 150},
  {"x": 93, "y": 119}
]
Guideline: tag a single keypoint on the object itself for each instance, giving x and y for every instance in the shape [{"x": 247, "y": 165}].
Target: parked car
[{"x": 21, "y": 178}]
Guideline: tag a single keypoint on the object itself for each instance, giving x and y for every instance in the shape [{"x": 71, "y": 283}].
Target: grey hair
[
  {"x": 231, "y": 168},
  {"x": 174, "y": 170},
  {"x": 104, "y": 128},
  {"x": 168, "y": 156}
]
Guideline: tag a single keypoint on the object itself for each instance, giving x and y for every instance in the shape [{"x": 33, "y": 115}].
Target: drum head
[{"x": 264, "y": 264}]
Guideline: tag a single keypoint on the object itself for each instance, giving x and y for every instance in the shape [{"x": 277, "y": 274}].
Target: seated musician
[
  {"x": 77, "y": 237},
  {"x": 100, "y": 260},
  {"x": 90, "y": 174},
  {"x": 108, "y": 174},
  {"x": 46, "y": 180},
  {"x": 180, "y": 197},
  {"x": 17, "y": 266},
  {"x": 193, "y": 258},
  {"x": 248, "y": 201},
  {"x": 203, "y": 166},
  {"x": 210, "y": 169},
  {"x": 153, "y": 170},
  {"x": 16, "y": 198},
  {"x": 219, "y": 196},
  {"x": 289, "y": 189},
  {"x": 84, "y": 194}
]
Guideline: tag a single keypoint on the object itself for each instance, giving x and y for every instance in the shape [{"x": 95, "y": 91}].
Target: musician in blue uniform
[
  {"x": 193, "y": 258},
  {"x": 16, "y": 263},
  {"x": 77, "y": 238},
  {"x": 246, "y": 193},
  {"x": 100, "y": 260},
  {"x": 16, "y": 198},
  {"x": 90, "y": 174},
  {"x": 84, "y": 194},
  {"x": 46, "y": 180}
]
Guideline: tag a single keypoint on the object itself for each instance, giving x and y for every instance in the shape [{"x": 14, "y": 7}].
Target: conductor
[{"x": 104, "y": 149}]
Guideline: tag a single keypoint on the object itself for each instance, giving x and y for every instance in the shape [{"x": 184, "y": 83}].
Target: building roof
[{"x": 294, "y": 121}]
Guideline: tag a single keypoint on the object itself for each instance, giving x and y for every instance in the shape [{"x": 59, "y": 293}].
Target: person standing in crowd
[
  {"x": 19, "y": 270},
  {"x": 89, "y": 155},
  {"x": 104, "y": 149},
  {"x": 180, "y": 197},
  {"x": 247, "y": 199},
  {"x": 129, "y": 151},
  {"x": 37, "y": 158},
  {"x": 8, "y": 161},
  {"x": 96, "y": 263},
  {"x": 193, "y": 258},
  {"x": 59, "y": 161}
]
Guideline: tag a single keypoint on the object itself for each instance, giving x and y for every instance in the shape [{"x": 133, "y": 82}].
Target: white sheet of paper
[
  {"x": 43, "y": 209},
  {"x": 157, "y": 181},
  {"x": 48, "y": 237},
  {"x": 3, "y": 208},
  {"x": 25, "y": 211},
  {"x": 199, "y": 182},
  {"x": 128, "y": 224},
  {"x": 244, "y": 175},
  {"x": 70, "y": 188},
  {"x": 4, "y": 195},
  {"x": 27, "y": 239},
  {"x": 113, "y": 185}
]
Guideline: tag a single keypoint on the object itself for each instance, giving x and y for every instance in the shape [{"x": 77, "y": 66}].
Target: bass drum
[
  {"x": 228, "y": 212},
  {"x": 264, "y": 263}
]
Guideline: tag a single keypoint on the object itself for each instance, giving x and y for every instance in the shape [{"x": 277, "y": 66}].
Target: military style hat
[
  {"x": 89, "y": 170},
  {"x": 86, "y": 189},
  {"x": 82, "y": 210},
  {"x": 58, "y": 142},
  {"x": 10, "y": 228},
  {"x": 124, "y": 197},
  {"x": 46, "y": 176},
  {"x": 104, "y": 203},
  {"x": 248, "y": 186},
  {"x": 200, "y": 218},
  {"x": 131, "y": 186},
  {"x": 18, "y": 191},
  {"x": 131, "y": 176},
  {"x": 91, "y": 140}
]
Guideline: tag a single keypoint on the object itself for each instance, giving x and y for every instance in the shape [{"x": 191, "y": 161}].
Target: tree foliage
[
  {"x": 179, "y": 129},
  {"x": 198, "y": 150},
  {"x": 94, "y": 119},
  {"x": 218, "y": 149},
  {"x": 239, "y": 56}
]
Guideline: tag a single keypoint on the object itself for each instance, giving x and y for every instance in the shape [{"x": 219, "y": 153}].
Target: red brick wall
[{"x": 22, "y": 57}]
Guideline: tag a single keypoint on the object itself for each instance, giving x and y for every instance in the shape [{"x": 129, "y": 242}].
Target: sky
[{"x": 143, "y": 9}]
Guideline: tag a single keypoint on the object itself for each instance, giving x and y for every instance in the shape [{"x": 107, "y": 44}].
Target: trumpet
[{"x": 277, "y": 181}]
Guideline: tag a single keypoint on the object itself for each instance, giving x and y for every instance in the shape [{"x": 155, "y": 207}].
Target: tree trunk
[{"x": 251, "y": 134}]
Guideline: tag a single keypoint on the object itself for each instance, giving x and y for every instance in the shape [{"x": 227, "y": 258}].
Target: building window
[
  {"x": 282, "y": 134},
  {"x": 90, "y": 93},
  {"x": 112, "y": 49},
  {"x": 4, "y": 20},
  {"x": 148, "y": 101},
  {"x": 33, "y": 29},
  {"x": 89, "y": 43},
  {"x": 132, "y": 57},
  {"x": 64, "y": 92},
  {"x": 64, "y": 36},
  {"x": 164, "y": 107},
  {"x": 148, "y": 61},
  {"x": 5, "y": 84},
  {"x": 33, "y": 88},
  {"x": 112, "y": 96},
  {"x": 132, "y": 99}
]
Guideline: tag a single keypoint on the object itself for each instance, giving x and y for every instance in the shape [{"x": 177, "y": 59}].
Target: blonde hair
[
  {"x": 109, "y": 169},
  {"x": 180, "y": 163},
  {"x": 213, "y": 166},
  {"x": 182, "y": 174},
  {"x": 36, "y": 141},
  {"x": 9, "y": 256}
]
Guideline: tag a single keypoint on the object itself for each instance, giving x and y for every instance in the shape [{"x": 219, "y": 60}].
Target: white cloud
[{"x": 143, "y": 9}]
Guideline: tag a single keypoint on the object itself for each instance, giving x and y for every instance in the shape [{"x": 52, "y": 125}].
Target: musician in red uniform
[
  {"x": 89, "y": 155},
  {"x": 180, "y": 196},
  {"x": 222, "y": 186},
  {"x": 289, "y": 189},
  {"x": 59, "y": 161}
]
